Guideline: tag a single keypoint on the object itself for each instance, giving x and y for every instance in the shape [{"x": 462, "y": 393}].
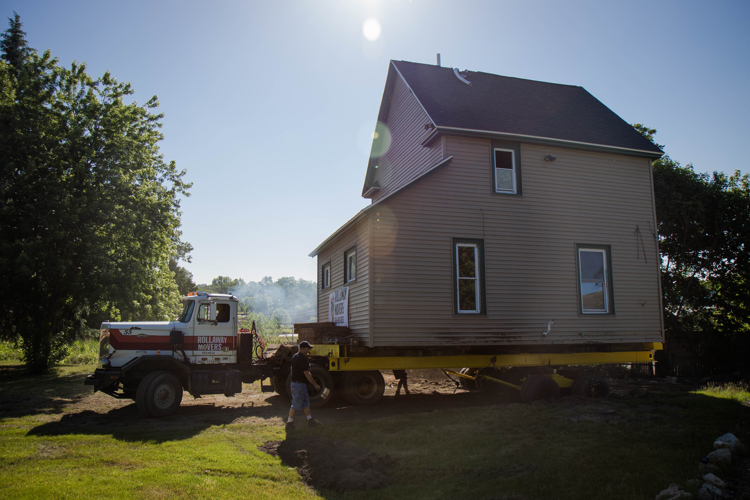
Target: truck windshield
[{"x": 187, "y": 311}]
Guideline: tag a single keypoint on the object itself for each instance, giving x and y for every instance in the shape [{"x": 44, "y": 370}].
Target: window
[
  {"x": 204, "y": 311},
  {"x": 325, "y": 278},
  {"x": 222, "y": 313},
  {"x": 187, "y": 311},
  {"x": 350, "y": 265},
  {"x": 595, "y": 280},
  {"x": 468, "y": 269},
  {"x": 506, "y": 167},
  {"x": 505, "y": 172}
]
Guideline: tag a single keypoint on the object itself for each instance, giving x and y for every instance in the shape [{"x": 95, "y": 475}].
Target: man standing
[
  {"x": 300, "y": 376},
  {"x": 400, "y": 375}
]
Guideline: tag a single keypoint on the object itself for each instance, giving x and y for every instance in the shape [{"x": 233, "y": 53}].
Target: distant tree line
[
  {"x": 273, "y": 305},
  {"x": 704, "y": 239}
]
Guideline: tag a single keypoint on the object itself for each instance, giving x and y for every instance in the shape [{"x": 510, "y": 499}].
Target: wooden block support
[{"x": 319, "y": 333}]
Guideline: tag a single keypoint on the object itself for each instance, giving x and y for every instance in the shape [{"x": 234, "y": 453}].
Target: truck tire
[
  {"x": 159, "y": 394},
  {"x": 363, "y": 388},
  {"x": 590, "y": 386},
  {"x": 539, "y": 387},
  {"x": 324, "y": 380}
]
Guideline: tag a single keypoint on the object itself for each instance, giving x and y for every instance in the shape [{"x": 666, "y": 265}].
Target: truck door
[{"x": 214, "y": 338}]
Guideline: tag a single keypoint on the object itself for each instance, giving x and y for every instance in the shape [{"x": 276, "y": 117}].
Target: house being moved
[{"x": 505, "y": 212}]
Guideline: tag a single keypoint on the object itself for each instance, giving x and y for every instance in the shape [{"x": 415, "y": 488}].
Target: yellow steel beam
[{"x": 360, "y": 363}]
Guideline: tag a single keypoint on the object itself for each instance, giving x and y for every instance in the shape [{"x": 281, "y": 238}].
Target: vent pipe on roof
[{"x": 438, "y": 58}]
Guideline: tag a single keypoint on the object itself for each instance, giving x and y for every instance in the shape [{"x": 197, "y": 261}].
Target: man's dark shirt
[{"x": 300, "y": 365}]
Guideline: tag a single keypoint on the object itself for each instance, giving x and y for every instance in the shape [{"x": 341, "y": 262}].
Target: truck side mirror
[{"x": 213, "y": 312}]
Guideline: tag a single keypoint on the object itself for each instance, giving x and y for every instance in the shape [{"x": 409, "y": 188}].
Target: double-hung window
[
  {"x": 506, "y": 167},
  {"x": 595, "y": 279},
  {"x": 325, "y": 278},
  {"x": 468, "y": 274},
  {"x": 505, "y": 171},
  {"x": 350, "y": 265}
]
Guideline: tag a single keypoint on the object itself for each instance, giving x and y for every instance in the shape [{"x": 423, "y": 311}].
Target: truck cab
[{"x": 204, "y": 333}]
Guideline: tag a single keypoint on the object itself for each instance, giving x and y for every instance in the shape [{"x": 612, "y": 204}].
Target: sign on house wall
[{"x": 338, "y": 306}]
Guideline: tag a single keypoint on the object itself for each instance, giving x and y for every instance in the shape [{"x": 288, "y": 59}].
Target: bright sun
[{"x": 371, "y": 29}]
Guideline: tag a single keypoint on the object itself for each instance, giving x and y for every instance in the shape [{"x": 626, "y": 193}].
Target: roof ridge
[{"x": 490, "y": 74}]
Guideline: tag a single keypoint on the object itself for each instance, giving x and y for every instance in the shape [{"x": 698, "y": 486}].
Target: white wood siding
[
  {"x": 359, "y": 309},
  {"x": 406, "y": 159},
  {"x": 530, "y": 250}
]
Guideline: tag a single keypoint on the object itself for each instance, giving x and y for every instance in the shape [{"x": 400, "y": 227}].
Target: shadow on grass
[
  {"x": 23, "y": 394},
  {"x": 126, "y": 424}
]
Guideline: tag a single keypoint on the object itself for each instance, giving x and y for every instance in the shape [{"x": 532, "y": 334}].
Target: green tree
[
  {"x": 89, "y": 216},
  {"x": 182, "y": 277},
  {"x": 14, "y": 48},
  {"x": 223, "y": 284},
  {"x": 703, "y": 223},
  {"x": 282, "y": 317}
]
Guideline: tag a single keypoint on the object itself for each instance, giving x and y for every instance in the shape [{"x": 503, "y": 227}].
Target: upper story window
[
  {"x": 325, "y": 278},
  {"x": 350, "y": 265},
  {"x": 595, "y": 280},
  {"x": 468, "y": 276},
  {"x": 505, "y": 171},
  {"x": 506, "y": 168}
]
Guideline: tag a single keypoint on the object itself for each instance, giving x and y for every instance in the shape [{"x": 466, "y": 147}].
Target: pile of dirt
[{"x": 327, "y": 464}]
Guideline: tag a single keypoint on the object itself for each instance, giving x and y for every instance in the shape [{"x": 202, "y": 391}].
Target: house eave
[{"x": 466, "y": 132}]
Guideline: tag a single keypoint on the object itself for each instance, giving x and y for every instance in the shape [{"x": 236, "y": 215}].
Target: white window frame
[
  {"x": 326, "y": 276},
  {"x": 350, "y": 265},
  {"x": 477, "y": 291},
  {"x": 514, "y": 176},
  {"x": 605, "y": 283}
]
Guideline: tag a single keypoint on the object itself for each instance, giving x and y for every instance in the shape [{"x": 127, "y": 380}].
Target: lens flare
[
  {"x": 371, "y": 29},
  {"x": 381, "y": 140}
]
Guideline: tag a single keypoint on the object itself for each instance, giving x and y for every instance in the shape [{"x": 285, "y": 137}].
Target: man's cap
[{"x": 305, "y": 344}]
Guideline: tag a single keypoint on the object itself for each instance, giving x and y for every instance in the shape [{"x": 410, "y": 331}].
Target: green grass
[
  {"x": 80, "y": 352},
  {"x": 547, "y": 451},
  {"x": 739, "y": 392},
  {"x": 52, "y": 445},
  {"x": 10, "y": 352},
  {"x": 59, "y": 441}
]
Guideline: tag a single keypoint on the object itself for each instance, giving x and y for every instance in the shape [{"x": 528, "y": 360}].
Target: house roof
[{"x": 517, "y": 107}]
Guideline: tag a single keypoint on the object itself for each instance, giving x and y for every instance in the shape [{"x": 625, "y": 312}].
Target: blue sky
[{"x": 270, "y": 105}]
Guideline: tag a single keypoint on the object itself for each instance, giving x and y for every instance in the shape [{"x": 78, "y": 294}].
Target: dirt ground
[{"x": 326, "y": 463}]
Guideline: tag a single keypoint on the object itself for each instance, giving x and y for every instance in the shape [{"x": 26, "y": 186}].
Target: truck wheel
[
  {"x": 590, "y": 386},
  {"x": 159, "y": 394},
  {"x": 324, "y": 380},
  {"x": 363, "y": 388},
  {"x": 539, "y": 387}
]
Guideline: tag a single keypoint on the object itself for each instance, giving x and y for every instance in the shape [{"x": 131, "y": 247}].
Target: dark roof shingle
[{"x": 514, "y": 106}]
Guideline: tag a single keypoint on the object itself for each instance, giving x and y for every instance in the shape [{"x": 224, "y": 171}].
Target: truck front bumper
[{"x": 102, "y": 379}]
